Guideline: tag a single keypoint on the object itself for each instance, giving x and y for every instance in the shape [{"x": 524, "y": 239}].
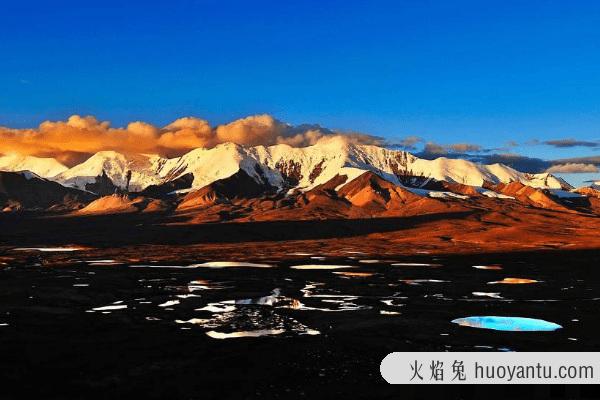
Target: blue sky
[{"x": 448, "y": 71}]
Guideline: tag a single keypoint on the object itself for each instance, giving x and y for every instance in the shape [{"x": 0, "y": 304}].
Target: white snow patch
[
  {"x": 230, "y": 264},
  {"x": 111, "y": 307},
  {"x": 317, "y": 266},
  {"x": 48, "y": 249},
  {"x": 169, "y": 303},
  {"x": 240, "y": 334}
]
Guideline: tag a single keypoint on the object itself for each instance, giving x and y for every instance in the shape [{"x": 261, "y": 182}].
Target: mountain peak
[{"x": 44, "y": 167}]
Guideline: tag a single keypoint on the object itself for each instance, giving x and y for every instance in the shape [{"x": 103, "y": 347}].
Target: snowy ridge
[
  {"x": 144, "y": 170},
  {"x": 283, "y": 167},
  {"x": 222, "y": 161},
  {"x": 44, "y": 167}
]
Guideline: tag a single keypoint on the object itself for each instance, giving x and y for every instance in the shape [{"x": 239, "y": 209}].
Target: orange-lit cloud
[{"x": 77, "y": 138}]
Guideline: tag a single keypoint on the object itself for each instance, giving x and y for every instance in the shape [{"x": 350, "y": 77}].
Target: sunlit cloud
[{"x": 78, "y": 137}]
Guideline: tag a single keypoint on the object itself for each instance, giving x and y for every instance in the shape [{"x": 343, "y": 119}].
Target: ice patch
[
  {"x": 488, "y": 267},
  {"x": 515, "y": 324},
  {"x": 240, "y": 334},
  {"x": 317, "y": 266},
  {"x": 487, "y": 294},
  {"x": 217, "y": 308},
  {"x": 194, "y": 321},
  {"x": 110, "y": 308},
  {"x": 202, "y": 284},
  {"x": 355, "y": 274},
  {"x": 99, "y": 263},
  {"x": 230, "y": 264},
  {"x": 169, "y": 303},
  {"x": 415, "y": 265},
  {"x": 513, "y": 281},
  {"x": 49, "y": 249},
  {"x": 418, "y": 281}
]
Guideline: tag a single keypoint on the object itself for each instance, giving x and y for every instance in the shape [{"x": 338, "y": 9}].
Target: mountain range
[{"x": 333, "y": 178}]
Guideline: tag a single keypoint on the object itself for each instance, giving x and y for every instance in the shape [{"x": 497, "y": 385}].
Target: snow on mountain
[
  {"x": 145, "y": 170},
  {"x": 289, "y": 168},
  {"x": 219, "y": 162},
  {"x": 314, "y": 165},
  {"x": 307, "y": 167},
  {"x": 44, "y": 167}
]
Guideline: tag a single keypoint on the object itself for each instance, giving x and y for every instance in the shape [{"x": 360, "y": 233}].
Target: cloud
[
  {"x": 516, "y": 161},
  {"x": 408, "y": 143},
  {"x": 465, "y": 147},
  {"x": 433, "y": 149},
  {"x": 253, "y": 130},
  {"x": 562, "y": 143},
  {"x": 78, "y": 137},
  {"x": 185, "y": 134},
  {"x": 573, "y": 168}
]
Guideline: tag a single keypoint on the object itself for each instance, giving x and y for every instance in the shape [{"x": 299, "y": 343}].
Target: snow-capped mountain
[
  {"x": 219, "y": 162},
  {"x": 44, "y": 167},
  {"x": 145, "y": 171},
  {"x": 317, "y": 164},
  {"x": 283, "y": 167}
]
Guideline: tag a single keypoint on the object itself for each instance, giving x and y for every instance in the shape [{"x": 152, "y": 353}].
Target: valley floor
[
  {"x": 156, "y": 235},
  {"x": 107, "y": 306}
]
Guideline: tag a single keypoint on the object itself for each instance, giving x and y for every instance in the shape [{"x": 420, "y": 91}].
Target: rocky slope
[{"x": 28, "y": 191}]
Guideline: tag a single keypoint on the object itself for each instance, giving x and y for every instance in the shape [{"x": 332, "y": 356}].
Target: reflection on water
[
  {"x": 487, "y": 294},
  {"x": 204, "y": 284},
  {"x": 197, "y": 321},
  {"x": 210, "y": 264},
  {"x": 240, "y": 334},
  {"x": 488, "y": 267},
  {"x": 217, "y": 308},
  {"x": 419, "y": 281},
  {"x": 355, "y": 274},
  {"x": 321, "y": 266},
  {"x": 285, "y": 298},
  {"x": 49, "y": 249},
  {"x": 516, "y": 324},
  {"x": 99, "y": 263},
  {"x": 385, "y": 312},
  {"x": 230, "y": 264},
  {"x": 408, "y": 264},
  {"x": 169, "y": 303},
  {"x": 110, "y": 308},
  {"x": 514, "y": 281}
]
